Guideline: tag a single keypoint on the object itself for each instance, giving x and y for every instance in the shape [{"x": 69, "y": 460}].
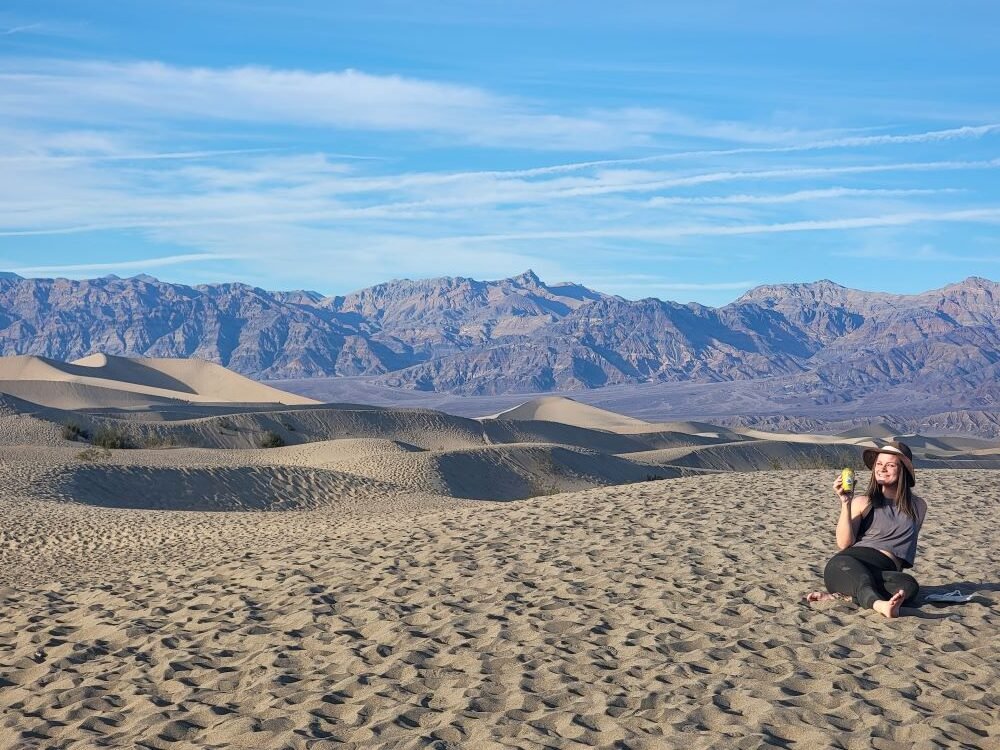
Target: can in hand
[{"x": 847, "y": 480}]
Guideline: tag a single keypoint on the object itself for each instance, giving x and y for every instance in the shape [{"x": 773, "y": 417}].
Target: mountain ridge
[{"x": 521, "y": 335}]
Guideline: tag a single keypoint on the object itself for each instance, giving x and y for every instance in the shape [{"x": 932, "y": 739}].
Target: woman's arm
[
  {"x": 850, "y": 518},
  {"x": 851, "y": 510}
]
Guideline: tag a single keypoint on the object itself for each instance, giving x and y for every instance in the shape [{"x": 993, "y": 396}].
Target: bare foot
[
  {"x": 820, "y": 596},
  {"x": 890, "y": 607}
]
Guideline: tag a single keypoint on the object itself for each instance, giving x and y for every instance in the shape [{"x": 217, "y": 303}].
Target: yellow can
[{"x": 847, "y": 480}]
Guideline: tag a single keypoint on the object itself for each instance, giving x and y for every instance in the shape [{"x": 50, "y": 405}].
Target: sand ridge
[
  {"x": 567, "y": 411},
  {"x": 102, "y": 381}
]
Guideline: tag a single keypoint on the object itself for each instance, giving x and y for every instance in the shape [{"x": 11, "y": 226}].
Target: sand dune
[
  {"x": 567, "y": 411},
  {"x": 313, "y": 475},
  {"x": 79, "y": 395},
  {"x": 101, "y": 381},
  {"x": 699, "y": 429},
  {"x": 385, "y": 601},
  {"x": 269, "y": 488},
  {"x": 757, "y": 455},
  {"x": 879, "y": 430},
  {"x": 242, "y": 428},
  {"x": 23, "y": 423}
]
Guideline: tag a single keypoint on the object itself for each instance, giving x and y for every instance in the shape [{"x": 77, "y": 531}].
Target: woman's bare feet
[
  {"x": 890, "y": 607},
  {"x": 823, "y": 596}
]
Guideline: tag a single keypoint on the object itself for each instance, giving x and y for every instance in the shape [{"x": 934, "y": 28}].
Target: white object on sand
[{"x": 949, "y": 596}]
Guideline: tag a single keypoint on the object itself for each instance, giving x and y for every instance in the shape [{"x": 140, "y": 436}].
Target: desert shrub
[
  {"x": 270, "y": 440},
  {"x": 540, "y": 488},
  {"x": 94, "y": 455},
  {"x": 110, "y": 437},
  {"x": 73, "y": 431},
  {"x": 159, "y": 441}
]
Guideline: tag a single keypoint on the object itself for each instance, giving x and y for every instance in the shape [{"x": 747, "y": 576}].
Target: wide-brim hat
[{"x": 895, "y": 449}]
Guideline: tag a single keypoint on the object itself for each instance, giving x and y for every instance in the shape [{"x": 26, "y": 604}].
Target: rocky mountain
[
  {"x": 613, "y": 341},
  {"x": 837, "y": 342},
  {"x": 276, "y": 334},
  {"x": 817, "y": 342}
]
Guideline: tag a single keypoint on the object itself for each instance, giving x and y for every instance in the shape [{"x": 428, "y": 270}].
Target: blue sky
[{"x": 685, "y": 151}]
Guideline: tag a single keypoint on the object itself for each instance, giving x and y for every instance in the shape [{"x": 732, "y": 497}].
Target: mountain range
[{"x": 817, "y": 341}]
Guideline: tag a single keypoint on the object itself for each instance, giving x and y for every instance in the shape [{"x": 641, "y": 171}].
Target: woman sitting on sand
[{"x": 877, "y": 535}]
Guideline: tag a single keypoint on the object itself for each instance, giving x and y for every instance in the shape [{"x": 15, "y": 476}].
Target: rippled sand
[{"x": 656, "y": 615}]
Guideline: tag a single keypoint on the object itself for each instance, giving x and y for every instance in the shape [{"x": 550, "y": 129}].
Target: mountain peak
[
  {"x": 972, "y": 282},
  {"x": 528, "y": 278},
  {"x": 815, "y": 290}
]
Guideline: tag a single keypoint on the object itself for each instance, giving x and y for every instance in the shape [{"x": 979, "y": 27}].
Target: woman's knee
[
  {"x": 842, "y": 574},
  {"x": 902, "y": 582}
]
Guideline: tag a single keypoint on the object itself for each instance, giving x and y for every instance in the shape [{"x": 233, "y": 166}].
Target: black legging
[{"x": 867, "y": 575}]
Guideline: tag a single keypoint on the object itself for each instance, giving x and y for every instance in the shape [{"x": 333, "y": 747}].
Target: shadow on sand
[{"x": 975, "y": 588}]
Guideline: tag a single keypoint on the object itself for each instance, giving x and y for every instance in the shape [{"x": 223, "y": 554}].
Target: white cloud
[
  {"x": 986, "y": 215},
  {"x": 794, "y": 197},
  {"x": 111, "y": 94},
  {"x": 92, "y": 147},
  {"x": 931, "y": 136},
  {"x": 125, "y": 265},
  {"x": 23, "y": 29}
]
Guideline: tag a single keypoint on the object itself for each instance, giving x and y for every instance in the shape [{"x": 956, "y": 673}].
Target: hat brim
[{"x": 871, "y": 454}]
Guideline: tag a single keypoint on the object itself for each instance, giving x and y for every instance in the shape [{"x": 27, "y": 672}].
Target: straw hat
[{"x": 894, "y": 449}]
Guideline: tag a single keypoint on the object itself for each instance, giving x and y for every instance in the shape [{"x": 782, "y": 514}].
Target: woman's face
[{"x": 887, "y": 468}]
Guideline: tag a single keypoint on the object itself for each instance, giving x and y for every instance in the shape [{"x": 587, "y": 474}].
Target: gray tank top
[{"x": 885, "y": 529}]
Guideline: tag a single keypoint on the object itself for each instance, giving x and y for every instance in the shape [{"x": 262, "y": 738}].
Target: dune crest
[
  {"x": 101, "y": 381},
  {"x": 567, "y": 411}
]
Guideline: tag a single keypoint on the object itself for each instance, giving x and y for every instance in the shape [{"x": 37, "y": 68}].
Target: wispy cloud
[
  {"x": 797, "y": 196},
  {"x": 930, "y": 136},
  {"x": 23, "y": 29},
  {"x": 125, "y": 265},
  {"x": 986, "y": 215},
  {"x": 230, "y": 163},
  {"x": 105, "y": 92},
  {"x": 306, "y": 189},
  {"x": 139, "y": 156},
  {"x": 608, "y": 181}
]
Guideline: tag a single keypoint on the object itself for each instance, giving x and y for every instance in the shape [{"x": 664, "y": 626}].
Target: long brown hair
[{"x": 903, "y": 501}]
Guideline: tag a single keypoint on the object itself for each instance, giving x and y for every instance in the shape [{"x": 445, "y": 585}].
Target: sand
[
  {"x": 104, "y": 381},
  {"x": 376, "y": 585},
  {"x": 662, "y": 614}
]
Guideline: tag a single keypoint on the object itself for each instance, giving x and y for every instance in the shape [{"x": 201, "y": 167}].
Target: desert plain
[{"x": 189, "y": 559}]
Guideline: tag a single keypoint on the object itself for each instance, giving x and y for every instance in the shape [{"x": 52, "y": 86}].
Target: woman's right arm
[
  {"x": 847, "y": 525},
  {"x": 851, "y": 510}
]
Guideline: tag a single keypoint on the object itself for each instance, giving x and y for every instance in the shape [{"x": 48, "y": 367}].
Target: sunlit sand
[{"x": 555, "y": 576}]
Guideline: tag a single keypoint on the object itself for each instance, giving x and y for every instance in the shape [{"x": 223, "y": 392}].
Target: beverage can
[{"x": 847, "y": 480}]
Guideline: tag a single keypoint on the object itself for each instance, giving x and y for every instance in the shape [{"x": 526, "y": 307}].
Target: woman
[{"x": 877, "y": 535}]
